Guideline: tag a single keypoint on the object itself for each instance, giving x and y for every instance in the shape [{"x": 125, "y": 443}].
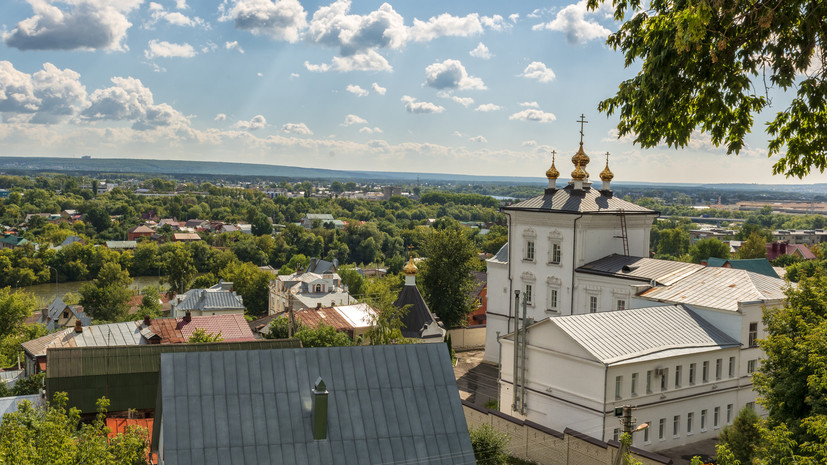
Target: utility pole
[{"x": 627, "y": 424}]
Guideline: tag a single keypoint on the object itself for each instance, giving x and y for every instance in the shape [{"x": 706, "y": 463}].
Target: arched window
[{"x": 318, "y": 288}]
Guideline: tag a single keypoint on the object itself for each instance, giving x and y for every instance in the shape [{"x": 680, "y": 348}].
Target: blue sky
[{"x": 470, "y": 87}]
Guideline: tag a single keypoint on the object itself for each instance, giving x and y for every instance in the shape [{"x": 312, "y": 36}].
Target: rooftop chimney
[
  {"x": 146, "y": 320},
  {"x": 188, "y": 316},
  {"x": 319, "y": 409},
  {"x": 318, "y": 305},
  {"x": 78, "y": 327}
]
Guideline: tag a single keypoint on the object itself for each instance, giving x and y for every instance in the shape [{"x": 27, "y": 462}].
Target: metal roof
[
  {"x": 341, "y": 318},
  {"x": 756, "y": 265},
  {"x": 10, "y": 404},
  {"x": 112, "y": 334},
  {"x": 719, "y": 288},
  {"x": 586, "y": 201},
  {"x": 640, "y": 268},
  {"x": 629, "y": 335},
  {"x": 206, "y": 299},
  {"x": 418, "y": 321},
  {"x": 502, "y": 255},
  {"x": 386, "y": 404}
]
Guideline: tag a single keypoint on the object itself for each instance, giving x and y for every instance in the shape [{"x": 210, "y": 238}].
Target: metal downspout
[
  {"x": 510, "y": 280},
  {"x": 573, "y": 264}
]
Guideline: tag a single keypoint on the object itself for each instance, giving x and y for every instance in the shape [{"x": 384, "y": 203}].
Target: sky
[{"x": 463, "y": 86}]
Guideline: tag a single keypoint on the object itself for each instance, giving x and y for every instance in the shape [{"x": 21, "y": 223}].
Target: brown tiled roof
[
  {"x": 327, "y": 315},
  {"x": 233, "y": 328}
]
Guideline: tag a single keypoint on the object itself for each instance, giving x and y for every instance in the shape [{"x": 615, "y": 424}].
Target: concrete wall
[
  {"x": 468, "y": 338},
  {"x": 544, "y": 446}
]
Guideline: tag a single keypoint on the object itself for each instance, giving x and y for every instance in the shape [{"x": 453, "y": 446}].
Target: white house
[{"x": 307, "y": 290}]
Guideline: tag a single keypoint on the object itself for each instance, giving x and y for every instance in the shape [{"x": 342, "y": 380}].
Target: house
[
  {"x": 139, "y": 231},
  {"x": 777, "y": 249},
  {"x": 309, "y": 218},
  {"x": 69, "y": 214},
  {"x": 60, "y": 315},
  {"x": 418, "y": 321},
  {"x": 220, "y": 299},
  {"x": 12, "y": 242},
  {"x": 319, "y": 266},
  {"x": 353, "y": 320},
  {"x": 185, "y": 237},
  {"x": 4, "y": 193},
  {"x": 195, "y": 223},
  {"x": 11, "y": 404},
  {"x": 69, "y": 241},
  {"x": 808, "y": 237},
  {"x": 757, "y": 265},
  {"x": 306, "y": 406},
  {"x": 121, "y": 245},
  {"x": 306, "y": 290}
]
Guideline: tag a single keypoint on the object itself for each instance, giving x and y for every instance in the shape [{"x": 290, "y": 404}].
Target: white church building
[{"x": 605, "y": 326}]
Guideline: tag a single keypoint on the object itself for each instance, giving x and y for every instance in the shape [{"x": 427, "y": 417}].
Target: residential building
[
  {"x": 220, "y": 299},
  {"x": 307, "y": 290},
  {"x": 319, "y": 266},
  {"x": 59, "y": 315},
  {"x": 139, "y": 231},
  {"x": 121, "y": 245},
  {"x": 12, "y": 242},
  {"x": 4, "y": 193},
  {"x": 353, "y": 320},
  {"x": 777, "y": 249},
  {"x": 364, "y": 404},
  {"x": 756, "y": 265},
  {"x": 808, "y": 237},
  {"x": 309, "y": 218},
  {"x": 185, "y": 237},
  {"x": 418, "y": 321}
]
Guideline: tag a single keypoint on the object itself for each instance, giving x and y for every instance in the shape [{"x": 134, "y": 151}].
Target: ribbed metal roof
[
  {"x": 418, "y": 321},
  {"x": 112, "y": 334},
  {"x": 387, "y": 404},
  {"x": 719, "y": 288},
  {"x": 627, "y": 335},
  {"x": 502, "y": 255},
  {"x": 206, "y": 299},
  {"x": 585, "y": 201},
  {"x": 640, "y": 268}
]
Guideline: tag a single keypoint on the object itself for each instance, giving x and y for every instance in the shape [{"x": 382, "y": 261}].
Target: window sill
[
  {"x": 528, "y": 260},
  {"x": 554, "y": 263}
]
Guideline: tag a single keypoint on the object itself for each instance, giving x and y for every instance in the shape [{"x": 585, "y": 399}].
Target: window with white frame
[
  {"x": 751, "y": 365},
  {"x": 529, "y": 251},
  {"x": 634, "y": 384},
  {"x": 592, "y": 304},
  {"x": 528, "y": 287},
  {"x": 676, "y": 425},
  {"x": 661, "y": 428},
  {"x": 555, "y": 249},
  {"x": 690, "y": 419},
  {"x": 716, "y": 416},
  {"x": 621, "y": 304},
  {"x": 529, "y": 238},
  {"x": 731, "y": 367},
  {"x": 646, "y": 432},
  {"x": 529, "y": 293},
  {"x": 703, "y": 420},
  {"x": 719, "y": 368},
  {"x": 618, "y": 387},
  {"x": 664, "y": 380},
  {"x": 753, "y": 335},
  {"x": 553, "y": 294},
  {"x": 649, "y": 382},
  {"x": 616, "y": 434},
  {"x": 678, "y": 375},
  {"x": 729, "y": 413},
  {"x": 706, "y": 372},
  {"x": 692, "y": 373}
]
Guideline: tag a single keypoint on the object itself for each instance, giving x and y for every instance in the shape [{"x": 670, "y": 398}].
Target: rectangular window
[
  {"x": 552, "y": 299},
  {"x": 706, "y": 372},
  {"x": 751, "y": 366},
  {"x": 621, "y": 305},
  {"x": 661, "y": 428},
  {"x": 618, "y": 386},
  {"x": 664, "y": 380},
  {"x": 719, "y": 368},
  {"x": 646, "y": 433},
  {"x": 634, "y": 384},
  {"x": 703, "y": 420},
  {"x": 649, "y": 382},
  {"x": 731, "y": 367},
  {"x": 678, "y": 370},
  {"x": 528, "y": 292},
  {"x": 592, "y": 304},
  {"x": 676, "y": 425},
  {"x": 616, "y": 434},
  {"x": 716, "y": 415},
  {"x": 555, "y": 253},
  {"x": 753, "y": 334},
  {"x": 529, "y": 250},
  {"x": 692, "y": 374},
  {"x": 690, "y": 418},
  {"x": 729, "y": 413}
]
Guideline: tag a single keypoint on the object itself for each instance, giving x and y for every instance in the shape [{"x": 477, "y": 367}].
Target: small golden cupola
[
  {"x": 410, "y": 269},
  {"x": 580, "y": 177},
  {"x": 606, "y": 175},
  {"x": 552, "y": 174}
]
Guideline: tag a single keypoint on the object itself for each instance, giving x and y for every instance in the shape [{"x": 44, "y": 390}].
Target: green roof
[
  {"x": 127, "y": 375},
  {"x": 756, "y": 265}
]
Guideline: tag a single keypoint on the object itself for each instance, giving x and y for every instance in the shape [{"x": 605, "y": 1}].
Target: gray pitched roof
[
  {"x": 585, "y": 201},
  {"x": 502, "y": 254},
  {"x": 202, "y": 299},
  {"x": 387, "y": 404},
  {"x": 56, "y": 308},
  {"x": 636, "y": 334},
  {"x": 418, "y": 321},
  {"x": 640, "y": 268}
]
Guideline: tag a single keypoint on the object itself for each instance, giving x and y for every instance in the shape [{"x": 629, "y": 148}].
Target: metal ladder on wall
[{"x": 624, "y": 234}]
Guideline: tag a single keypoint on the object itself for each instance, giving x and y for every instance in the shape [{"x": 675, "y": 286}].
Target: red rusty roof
[
  {"x": 327, "y": 315},
  {"x": 233, "y": 328},
  {"x": 121, "y": 425}
]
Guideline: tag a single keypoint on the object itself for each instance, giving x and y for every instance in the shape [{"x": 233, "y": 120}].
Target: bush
[{"x": 489, "y": 445}]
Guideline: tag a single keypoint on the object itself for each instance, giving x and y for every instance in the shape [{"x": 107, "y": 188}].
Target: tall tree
[
  {"x": 754, "y": 247},
  {"x": 743, "y": 436},
  {"x": 14, "y": 308},
  {"x": 706, "y": 248},
  {"x": 446, "y": 277},
  {"x": 673, "y": 242},
  {"x": 714, "y": 63},
  {"x": 180, "y": 268},
  {"x": 107, "y": 297}
]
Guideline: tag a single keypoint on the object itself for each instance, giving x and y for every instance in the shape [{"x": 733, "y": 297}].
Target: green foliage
[
  {"x": 446, "y": 277},
  {"x": 14, "y": 308},
  {"x": 706, "y": 59},
  {"x": 674, "y": 242},
  {"x": 489, "y": 445},
  {"x": 754, "y": 247},
  {"x": 787, "y": 260},
  {"x": 51, "y": 434},
  {"x": 180, "y": 268},
  {"x": 706, "y": 248},
  {"x": 201, "y": 335},
  {"x": 261, "y": 225},
  {"x": 107, "y": 297},
  {"x": 150, "y": 303},
  {"x": 743, "y": 436},
  {"x": 797, "y": 271},
  {"x": 723, "y": 457},
  {"x": 280, "y": 328},
  {"x": 355, "y": 282},
  {"x": 251, "y": 283},
  {"x": 322, "y": 336},
  {"x": 386, "y": 325}
]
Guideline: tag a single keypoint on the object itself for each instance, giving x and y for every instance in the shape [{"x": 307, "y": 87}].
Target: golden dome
[
  {"x": 410, "y": 269},
  {"x": 552, "y": 172},
  {"x": 580, "y": 158},
  {"x": 606, "y": 174},
  {"x": 578, "y": 174}
]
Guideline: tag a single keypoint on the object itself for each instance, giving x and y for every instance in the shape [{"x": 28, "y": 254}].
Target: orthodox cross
[
  {"x": 582, "y": 121},
  {"x": 553, "y": 153},
  {"x": 607, "y": 158}
]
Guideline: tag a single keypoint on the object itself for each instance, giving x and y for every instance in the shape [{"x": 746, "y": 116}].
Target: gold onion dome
[
  {"x": 410, "y": 269},
  {"x": 606, "y": 174},
  {"x": 552, "y": 172},
  {"x": 580, "y": 160},
  {"x": 578, "y": 174}
]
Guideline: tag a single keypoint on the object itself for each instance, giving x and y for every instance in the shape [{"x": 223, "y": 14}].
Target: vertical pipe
[
  {"x": 516, "y": 349},
  {"x": 523, "y": 348}
]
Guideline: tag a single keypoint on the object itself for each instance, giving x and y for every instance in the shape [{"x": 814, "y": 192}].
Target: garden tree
[
  {"x": 748, "y": 229},
  {"x": 150, "y": 303},
  {"x": 355, "y": 282},
  {"x": 787, "y": 260},
  {"x": 710, "y": 60},
  {"x": 201, "y": 335},
  {"x": 14, "y": 308},
  {"x": 10, "y": 345},
  {"x": 489, "y": 444},
  {"x": 792, "y": 379},
  {"x": 743, "y": 436},
  {"x": 386, "y": 325},
  {"x": 107, "y": 297},
  {"x": 280, "y": 328},
  {"x": 251, "y": 283},
  {"x": 180, "y": 270},
  {"x": 52, "y": 434},
  {"x": 705, "y": 248},
  {"x": 97, "y": 216},
  {"x": 723, "y": 456},
  {"x": 322, "y": 336},
  {"x": 261, "y": 225},
  {"x": 673, "y": 242},
  {"x": 754, "y": 247},
  {"x": 445, "y": 276},
  {"x": 797, "y": 271}
]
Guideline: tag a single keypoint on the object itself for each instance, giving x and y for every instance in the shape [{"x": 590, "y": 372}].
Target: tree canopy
[
  {"x": 446, "y": 275},
  {"x": 711, "y": 66},
  {"x": 107, "y": 297}
]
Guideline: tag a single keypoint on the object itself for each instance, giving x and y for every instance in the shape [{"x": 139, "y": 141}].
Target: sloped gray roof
[
  {"x": 202, "y": 299},
  {"x": 387, "y": 404},
  {"x": 640, "y": 268},
  {"x": 630, "y": 335},
  {"x": 418, "y": 321},
  {"x": 111, "y": 334},
  {"x": 502, "y": 255},
  {"x": 56, "y": 308},
  {"x": 586, "y": 201}
]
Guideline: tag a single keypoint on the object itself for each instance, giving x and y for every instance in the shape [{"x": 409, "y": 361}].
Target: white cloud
[
  {"x": 176, "y": 18},
  {"x": 356, "y": 34},
  {"x": 481, "y": 51},
  {"x": 514, "y": 17},
  {"x": 296, "y": 128},
  {"x": 449, "y": 75},
  {"x": 256, "y": 122},
  {"x": 577, "y": 23},
  {"x": 368, "y": 61},
  {"x": 529, "y": 143},
  {"x": 412, "y": 106},
  {"x": 367, "y": 130},
  {"x": 457, "y": 134},
  {"x": 295, "y": 75},
  {"x": 277, "y": 19},
  {"x": 164, "y": 49},
  {"x": 320, "y": 68},
  {"x": 48, "y": 96},
  {"x": 530, "y": 104},
  {"x": 130, "y": 100},
  {"x": 260, "y": 74},
  {"x": 464, "y": 101},
  {"x": 353, "y": 119},
  {"x": 78, "y": 25},
  {"x": 357, "y": 91},
  {"x": 533, "y": 114},
  {"x": 378, "y": 89},
  {"x": 538, "y": 70},
  {"x": 495, "y": 23},
  {"x": 220, "y": 117},
  {"x": 181, "y": 4},
  {"x": 486, "y": 107},
  {"x": 233, "y": 46},
  {"x": 446, "y": 25},
  {"x": 478, "y": 139}
]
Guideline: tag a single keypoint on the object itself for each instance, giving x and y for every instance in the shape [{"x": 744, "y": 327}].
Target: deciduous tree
[
  {"x": 446, "y": 275},
  {"x": 14, "y": 308},
  {"x": 705, "y": 248},
  {"x": 754, "y": 247},
  {"x": 107, "y": 297}
]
